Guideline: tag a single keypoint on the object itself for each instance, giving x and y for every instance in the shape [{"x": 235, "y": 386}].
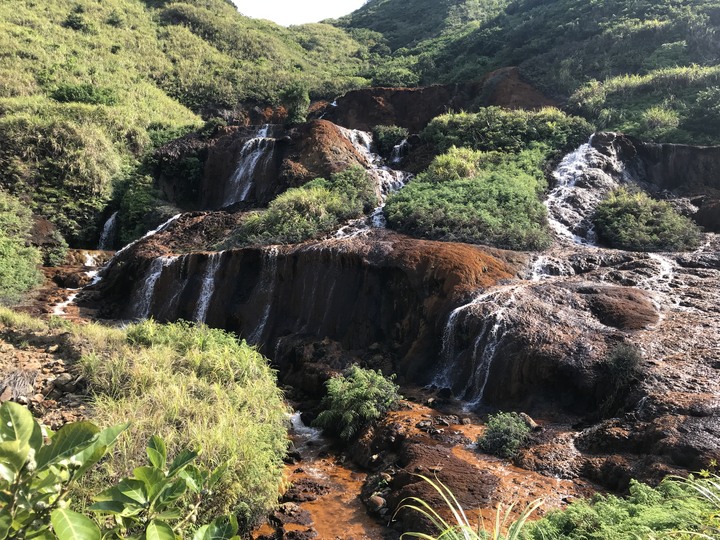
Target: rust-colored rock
[{"x": 413, "y": 108}]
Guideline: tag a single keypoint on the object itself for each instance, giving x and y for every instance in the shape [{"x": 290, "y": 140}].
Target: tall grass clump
[
  {"x": 457, "y": 526},
  {"x": 195, "y": 387}
]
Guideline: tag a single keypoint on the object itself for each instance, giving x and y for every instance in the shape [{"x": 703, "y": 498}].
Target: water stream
[{"x": 253, "y": 158}]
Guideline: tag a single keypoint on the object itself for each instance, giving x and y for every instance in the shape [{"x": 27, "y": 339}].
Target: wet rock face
[
  {"x": 413, "y": 108},
  {"x": 284, "y": 158}
]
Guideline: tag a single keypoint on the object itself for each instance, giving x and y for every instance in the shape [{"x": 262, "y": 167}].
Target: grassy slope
[
  {"x": 152, "y": 66},
  {"x": 563, "y": 45}
]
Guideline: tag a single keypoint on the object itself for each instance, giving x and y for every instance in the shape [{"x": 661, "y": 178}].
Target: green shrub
[
  {"x": 495, "y": 128},
  {"x": 85, "y": 93},
  {"x": 635, "y": 222},
  {"x": 622, "y": 366},
  {"x": 160, "y": 500},
  {"x": 306, "y": 212},
  {"x": 296, "y": 100},
  {"x": 478, "y": 197},
  {"x": 671, "y": 507},
  {"x": 55, "y": 254},
  {"x": 354, "y": 400},
  {"x": 505, "y": 434},
  {"x": 386, "y": 137},
  {"x": 18, "y": 261}
]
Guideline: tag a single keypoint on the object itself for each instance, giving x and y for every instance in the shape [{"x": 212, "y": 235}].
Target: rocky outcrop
[
  {"x": 413, "y": 108},
  {"x": 197, "y": 172},
  {"x": 691, "y": 172}
]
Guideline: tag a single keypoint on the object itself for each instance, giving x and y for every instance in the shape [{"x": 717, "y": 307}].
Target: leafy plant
[
  {"x": 297, "y": 101},
  {"x": 18, "y": 261},
  {"x": 622, "y": 367},
  {"x": 459, "y": 527},
  {"x": 354, "y": 400},
  {"x": 162, "y": 500},
  {"x": 635, "y": 222},
  {"x": 505, "y": 433},
  {"x": 36, "y": 478}
]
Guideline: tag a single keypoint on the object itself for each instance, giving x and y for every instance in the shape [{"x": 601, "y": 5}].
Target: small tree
[
  {"x": 354, "y": 400},
  {"x": 504, "y": 434}
]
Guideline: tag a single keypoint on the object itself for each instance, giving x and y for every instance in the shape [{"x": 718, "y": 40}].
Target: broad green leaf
[
  {"x": 12, "y": 458},
  {"x": 157, "y": 530},
  {"x": 69, "y": 525},
  {"x": 36, "y": 439},
  {"x": 5, "y": 523},
  {"x": 133, "y": 490},
  {"x": 157, "y": 452},
  {"x": 169, "y": 515},
  {"x": 110, "y": 507},
  {"x": 44, "y": 534},
  {"x": 182, "y": 460},
  {"x": 16, "y": 423},
  {"x": 200, "y": 533},
  {"x": 171, "y": 493},
  {"x": 71, "y": 439},
  {"x": 217, "y": 475},
  {"x": 194, "y": 477},
  {"x": 222, "y": 528},
  {"x": 97, "y": 450},
  {"x": 153, "y": 478}
]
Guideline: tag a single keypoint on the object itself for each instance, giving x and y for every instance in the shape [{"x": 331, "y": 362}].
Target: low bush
[
  {"x": 621, "y": 368},
  {"x": 478, "y": 197},
  {"x": 495, "y": 128},
  {"x": 354, "y": 400},
  {"x": 85, "y": 93},
  {"x": 196, "y": 388},
  {"x": 505, "y": 434},
  {"x": 308, "y": 211},
  {"x": 635, "y": 222}
]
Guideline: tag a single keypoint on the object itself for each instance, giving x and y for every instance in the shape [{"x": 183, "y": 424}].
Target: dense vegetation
[
  {"x": 18, "y": 262},
  {"x": 190, "y": 385},
  {"x": 306, "y": 212},
  {"x": 504, "y": 435},
  {"x": 478, "y": 197},
  {"x": 88, "y": 88},
  {"x": 636, "y": 222},
  {"x": 355, "y": 399}
]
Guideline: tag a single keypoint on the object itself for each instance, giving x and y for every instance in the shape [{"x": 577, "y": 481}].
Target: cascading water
[
  {"x": 386, "y": 179},
  {"x": 398, "y": 152},
  {"x": 254, "y": 156},
  {"x": 582, "y": 180},
  {"x": 208, "y": 287},
  {"x": 267, "y": 286},
  {"x": 107, "y": 237},
  {"x": 143, "y": 304},
  {"x": 494, "y": 305}
]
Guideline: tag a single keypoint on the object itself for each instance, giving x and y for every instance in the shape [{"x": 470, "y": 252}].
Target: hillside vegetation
[{"x": 88, "y": 89}]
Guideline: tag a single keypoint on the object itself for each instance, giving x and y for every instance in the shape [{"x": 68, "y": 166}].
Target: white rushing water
[
  {"x": 267, "y": 286},
  {"x": 253, "y": 158},
  {"x": 208, "y": 286},
  {"x": 387, "y": 181},
  {"x": 582, "y": 180},
  {"x": 107, "y": 237},
  {"x": 143, "y": 303}
]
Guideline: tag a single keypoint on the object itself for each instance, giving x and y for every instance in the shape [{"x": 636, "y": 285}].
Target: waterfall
[
  {"x": 107, "y": 237},
  {"x": 398, "y": 152},
  {"x": 495, "y": 305},
  {"x": 267, "y": 286},
  {"x": 582, "y": 180},
  {"x": 143, "y": 305},
  {"x": 387, "y": 181},
  {"x": 256, "y": 151},
  {"x": 208, "y": 286},
  {"x": 148, "y": 234}
]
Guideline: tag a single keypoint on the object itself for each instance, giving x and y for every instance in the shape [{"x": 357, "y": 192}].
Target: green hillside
[
  {"x": 88, "y": 88},
  {"x": 645, "y": 67}
]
